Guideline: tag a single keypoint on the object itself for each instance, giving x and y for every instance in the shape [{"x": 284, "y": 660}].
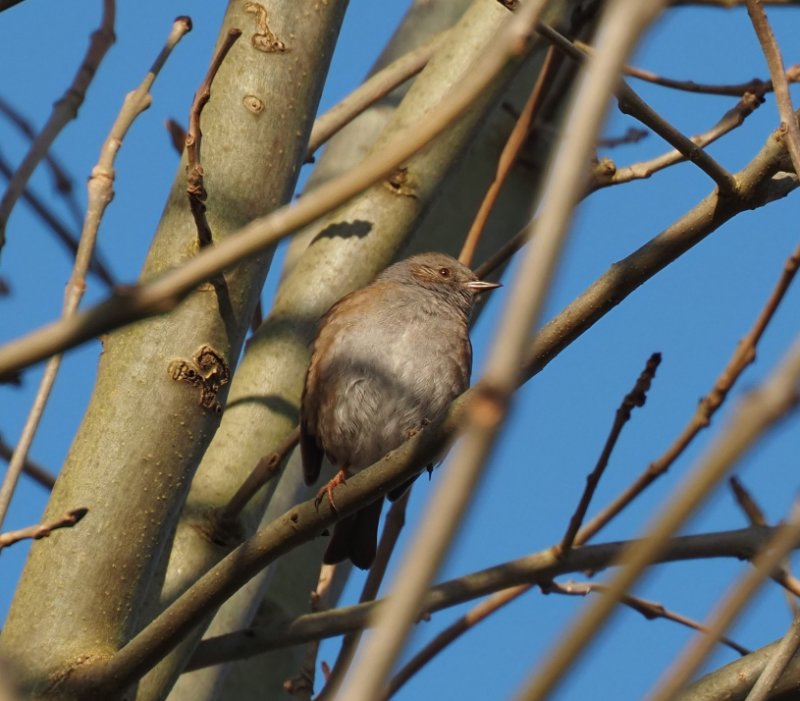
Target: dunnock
[{"x": 387, "y": 360}]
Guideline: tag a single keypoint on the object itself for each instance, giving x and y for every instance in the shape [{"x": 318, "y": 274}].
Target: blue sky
[{"x": 694, "y": 312}]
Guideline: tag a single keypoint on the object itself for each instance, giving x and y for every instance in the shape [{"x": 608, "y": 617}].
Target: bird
[{"x": 387, "y": 360}]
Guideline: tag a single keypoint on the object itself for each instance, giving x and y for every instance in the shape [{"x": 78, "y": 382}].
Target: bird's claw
[{"x": 327, "y": 490}]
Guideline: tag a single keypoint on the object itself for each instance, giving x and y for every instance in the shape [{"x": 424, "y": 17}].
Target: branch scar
[
  {"x": 207, "y": 370},
  {"x": 264, "y": 39}
]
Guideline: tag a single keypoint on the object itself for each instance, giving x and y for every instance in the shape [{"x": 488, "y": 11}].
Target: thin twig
[
  {"x": 303, "y": 682},
  {"x": 635, "y": 398},
  {"x": 632, "y": 135},
  {"x": 395, "y": 521},
  {"x": 742, "y": 357},
  {"x": 649, "y": 609},
  {"x": 756, "y": 85},
  {"x": 537, "y": 568},
  {"x": 63, "y": 182},
  {"x": 101, "y": 191},
  {"x": 759, "y": 412},
  {"x": 195, "y": 188},
  {"x": 36, "y": 472},
  {"x": 782, "y": 97},
  {"x": 606, "y": 173},
  {"x": 508, "y": 157},
  {"x": 266, "y": 468},
  {"x": 746, "y": 502},
  {"x": 42, "y": 530},
  {"x": 369, "y": 92},
  {"x": 738, "y": 596},
  {"x": 630, "y": 103},
  {"x": 755, "y": 517},
  {"x": 451, "y": 633},
  {"x": 60, "y": 230},
  {"x": 64, "y": 110}
]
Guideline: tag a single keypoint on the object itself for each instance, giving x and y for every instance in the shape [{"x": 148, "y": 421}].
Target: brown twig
[
  {"x": 632, "y": 135},
  {"x": 508, "y": 157},
  {"x": 630, "y": 103},
  {"x": 42, "y": 530},
  {"x": 62, "y": 181},
  {"x": 755, "y": 517},
  {"x": 101, "y": 191},
  {"x": 635, "y": 398},
  {"x": 195, "y": 188},
  {"x": 60, "y": 230},
  {"x": 303, "y": 682},
  {"x": 782, "y": 97},
  {"x": 742, "y": 357},
  {"x": 532, "y": 569},
  {"x": 395, "y": 521},
  {"x": 369, "y": 92},
  {"x": 266, "y": 468},
  {"x": 746, "y": 502},
  {"x": 754, "y": 418},
  {"x": 756, "y": 85},
  {"x": 738, "y": 595},
  {"x": 64, "y": 110},
  {"x": 451, "y": 633},
  {"x": 37, "y": 473},
  {"x": 606, "y": 173},
  {"x": 649, "y": 609}
]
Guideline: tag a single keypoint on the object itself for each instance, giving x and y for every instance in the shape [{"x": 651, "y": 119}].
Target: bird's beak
[{"x": 479, "y": 286}]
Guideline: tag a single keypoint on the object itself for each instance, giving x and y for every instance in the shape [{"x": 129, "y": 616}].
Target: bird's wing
[{"x": 310, "y": 449}]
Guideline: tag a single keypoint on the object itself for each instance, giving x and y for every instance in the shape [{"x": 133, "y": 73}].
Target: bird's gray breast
[{"x": 389, "y": 378}]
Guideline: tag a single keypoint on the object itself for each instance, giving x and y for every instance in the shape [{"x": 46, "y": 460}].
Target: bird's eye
[{"x": 444, "y": 272}]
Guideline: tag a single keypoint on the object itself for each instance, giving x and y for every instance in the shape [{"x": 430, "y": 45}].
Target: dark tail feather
[{"x": 356, "y": 537}]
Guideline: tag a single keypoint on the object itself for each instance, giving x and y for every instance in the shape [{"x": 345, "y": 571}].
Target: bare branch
[
  {"x": 42, "y": 530},
  {"x": 742, "y": 357},
  {"x": 649, "y": 609},
  {"x": 635, "y": 398},
  {"x": 101, "y": 192},
  {"x": 630, "y": 103},
  {"x": 756, "y": 415},
  {"x": 36, "y": 472},
  {"x": 266, "y": 468},
  {"x": 516, "y": 140},
  {"x": 777, "y": 664},
  {"x": 63, "y": 234},
  {"x": 773, "y": 55},
  {"x": 607, "y": 173},
  {"x": 63, "y": 182},
  {"x": 195, "y": 188},
  {"x": 780, "y": 545},
  {"x": 64, "y": 110},
  {"x": 369, "y": 92},
  {"x": 524, "y": 572},
  {"x": 395, "y": 521}
]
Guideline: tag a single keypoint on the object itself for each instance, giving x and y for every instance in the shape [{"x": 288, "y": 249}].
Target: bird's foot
[{"x": 339, "y": 478}]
